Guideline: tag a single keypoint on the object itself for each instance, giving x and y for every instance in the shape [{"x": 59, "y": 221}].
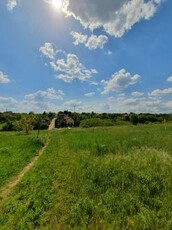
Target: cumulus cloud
[
  {"x": 141, "y": 102},
  {"x": 11, "y": 4},
  {"x": 36, "y": 106},
  {"x": 71, "y": 69},
  {"x": 86, "y": 106},
  {"x": 7, "y": 103},
  {"x": 137, "y": 94},
  {"x": 4, "y": 78},
  {"x": 49, "y": 94},
  {"x": 169, "y": 79},
  {"x": 92, "y": 42},
  {"x": 161, "y": 92},
  {"x": 7, "y": 100},
  {"x": 68, "y": 67},
  {"x": 72, "y": 103},
  {"x": 95, "y": 42},
  {"x": 123, "y": 103},
  {"x": 119, "y": 81},
  {"x": 79, "y": 38},
  {"x": 47, "y": 50},
  {"x": 91, "y": 94},
  {"x": 115, "y": 17},
  {"x": 38, "y": 101}
]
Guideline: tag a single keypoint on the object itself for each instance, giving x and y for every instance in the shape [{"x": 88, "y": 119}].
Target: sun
[{"x": 57, "y": 4}]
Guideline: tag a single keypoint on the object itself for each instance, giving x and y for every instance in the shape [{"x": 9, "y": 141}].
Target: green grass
[
  {"x": 122, "y": 138},
  {"x": 16, "y": 150},
  {"x": 2, "y": 125},
  {"x": 102, "y": 178}
]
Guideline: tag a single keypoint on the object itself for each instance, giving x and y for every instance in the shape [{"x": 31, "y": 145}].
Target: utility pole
[{"x": 74, "y": 108}]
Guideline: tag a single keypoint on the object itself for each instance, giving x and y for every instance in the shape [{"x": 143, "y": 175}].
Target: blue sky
[{"x": 101, "y": 56}]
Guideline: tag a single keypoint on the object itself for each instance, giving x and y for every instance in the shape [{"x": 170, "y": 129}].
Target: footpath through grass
[
  {"x": 106, "y": 178},
  {"x": 16, "y": 151}
]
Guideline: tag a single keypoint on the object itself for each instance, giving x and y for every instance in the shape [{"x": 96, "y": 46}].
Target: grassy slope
[
  {"x": 16, "y": 150},
  {"x": 113, "y": 178}
]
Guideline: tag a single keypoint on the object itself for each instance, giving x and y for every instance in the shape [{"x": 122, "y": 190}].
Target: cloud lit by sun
[{"x": 57, "y": 4}]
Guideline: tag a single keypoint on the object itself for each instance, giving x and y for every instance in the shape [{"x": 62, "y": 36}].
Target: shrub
[
  {"x": 134, "y": 119},
  {"x": 96, "y": 122}
]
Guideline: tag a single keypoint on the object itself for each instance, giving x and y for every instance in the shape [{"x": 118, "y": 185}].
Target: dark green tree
[{"x": 134, "y": 119}]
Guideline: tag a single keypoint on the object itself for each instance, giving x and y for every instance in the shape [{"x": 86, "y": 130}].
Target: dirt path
[
  {"x": 16, "y": 179},
  {"x": 52, "y": 124}
]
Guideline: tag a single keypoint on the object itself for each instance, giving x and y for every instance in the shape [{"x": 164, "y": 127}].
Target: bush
[
  {"x": 96, "y": 122},
  {"x": 134, "y": 119},
  {"x": 8, "y": 126}
]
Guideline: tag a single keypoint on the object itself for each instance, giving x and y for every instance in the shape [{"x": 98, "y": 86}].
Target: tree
[
  {"x": 134, "y": 119},
  {"x": 26, "y": 123}
]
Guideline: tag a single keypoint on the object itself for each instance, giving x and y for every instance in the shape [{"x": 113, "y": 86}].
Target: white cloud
[
  {"x": 68, "y": 68},
  {"x": 49, "y": 94},
  {"x": 71, "y": 69},
  {"x": 130, "y": 101},
  {"x": 7, "y": 100},
  {"x": 72, "y": 103},
  {"x": 109, "y": 52},
  {"x": 160, "y": 92},
  {"x": 7, "y": 103},
  {"x": 79, "y": 38},
  {"x": 119, "y": 81},
  {"x": 111, "y": 104},
  {"x": 92, "y": 42},
  {"x": 121, "y": 96},
  {"x": 4, "y": 78},
  {"x": 169, "y": 104},
  {"x": 169, "y": 79},
  {"x": 95, "y": 42},
  {"x": 114, "y": 16},
  {"x": 153, "y": 103},
  {"x": 48, "y": 100},
  {"x": 141, "y": 104},
  {"x": 47, "y": 50},
  {"x": 91, "y": 94},
  {"x": 94, "y": 83},
  {"x": 137, "y": 94},
  {"x": 84, "y": 106},
  {"x": 37, "y": 106},
  {"x": 11, "y": 4}
]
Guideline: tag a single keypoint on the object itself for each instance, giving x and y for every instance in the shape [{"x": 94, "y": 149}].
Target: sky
[{"x": 112, "y": 56}]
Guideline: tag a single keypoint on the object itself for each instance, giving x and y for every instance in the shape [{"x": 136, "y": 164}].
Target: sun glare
[{"x": 57, "y": 4}]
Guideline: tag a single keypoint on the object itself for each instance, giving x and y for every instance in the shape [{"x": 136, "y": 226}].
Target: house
[
  {"x": 64, "y": 119},
  {"x": 68, "y": 121}
]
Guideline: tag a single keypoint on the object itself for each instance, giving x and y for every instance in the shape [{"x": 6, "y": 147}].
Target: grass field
[
  {"x": 1, "y": 126},
  {"x": 101, "y": 178},
  {"x": 16, "y": 150}
]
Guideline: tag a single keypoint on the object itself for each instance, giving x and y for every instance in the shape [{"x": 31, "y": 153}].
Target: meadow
[
  {"x": 16, "y": 151},
  {"x": 98, "y": 178}
]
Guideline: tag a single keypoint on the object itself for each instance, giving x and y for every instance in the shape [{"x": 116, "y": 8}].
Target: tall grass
[
  {"x": 111, "y": 178},
  {"x": 16, "y": 150},
  {"x": 120, "y": 139}
]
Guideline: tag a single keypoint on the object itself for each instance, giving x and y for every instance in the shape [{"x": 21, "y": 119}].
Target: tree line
[
  {"x": 10, "y": 121},
  {"x": 108, "y": 119}
]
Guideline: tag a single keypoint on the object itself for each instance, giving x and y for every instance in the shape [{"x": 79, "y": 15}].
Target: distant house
[
  {"x": 125, "y": 117},
  {"x": 64, "y": 119},
  {"x": 68, "y": 121}
]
